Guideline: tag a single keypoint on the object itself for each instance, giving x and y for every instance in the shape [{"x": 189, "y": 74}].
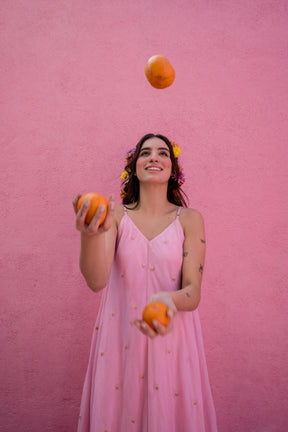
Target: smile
[{"x": 153, "y": 169}]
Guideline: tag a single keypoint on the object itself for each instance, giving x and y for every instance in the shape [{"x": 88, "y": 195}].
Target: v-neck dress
[{"x": 134, "y": 383}]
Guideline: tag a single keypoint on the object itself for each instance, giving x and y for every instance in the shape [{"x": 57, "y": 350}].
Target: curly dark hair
[{"x": 130, "y": 185}]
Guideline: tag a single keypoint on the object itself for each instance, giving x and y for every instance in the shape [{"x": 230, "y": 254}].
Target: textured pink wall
[{"x": 75, "y": 99}]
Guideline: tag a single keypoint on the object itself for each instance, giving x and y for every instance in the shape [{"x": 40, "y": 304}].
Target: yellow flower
[
  {"x": 124, "y": 174},
  {"x": 176, "y": 149}
]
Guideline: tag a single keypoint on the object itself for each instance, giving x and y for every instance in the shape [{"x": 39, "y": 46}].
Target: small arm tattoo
[
  {"x": 201, "y": 269},
  {"x": 188, "y": 295},
  {"x": 185, "y": 254},
  {"x": 202, "y": 241}
]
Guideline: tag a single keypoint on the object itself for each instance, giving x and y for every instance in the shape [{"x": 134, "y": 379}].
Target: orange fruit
[
  {"x": 155, "y": 311},
  {"x": 96, "y": 200},
  {"x": 159, "y": 71}
]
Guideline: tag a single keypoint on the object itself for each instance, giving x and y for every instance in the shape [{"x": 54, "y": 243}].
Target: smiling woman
[
  {"x": 154, "y": 163},
  {"x": 149, "y": 249},
  {"x": 130, "y": 184}
]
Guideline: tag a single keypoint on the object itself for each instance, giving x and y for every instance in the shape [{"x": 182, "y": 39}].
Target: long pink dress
[{"x": 133, "y": 383}]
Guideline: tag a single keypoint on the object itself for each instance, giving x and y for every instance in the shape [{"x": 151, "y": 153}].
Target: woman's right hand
[{"x": 94, "y": 227}]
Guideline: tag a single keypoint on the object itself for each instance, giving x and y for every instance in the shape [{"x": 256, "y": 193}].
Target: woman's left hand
[{"x": 160, "y": 329}]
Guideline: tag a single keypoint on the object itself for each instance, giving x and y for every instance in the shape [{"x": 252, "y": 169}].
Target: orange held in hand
[
  {"x": 155, "y": 311},
  {"x": 159, "y": 72},
  {"x": 96, "y": 200}
]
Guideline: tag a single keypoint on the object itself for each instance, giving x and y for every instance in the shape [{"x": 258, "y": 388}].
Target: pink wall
[{"x": 75, "y": 99}]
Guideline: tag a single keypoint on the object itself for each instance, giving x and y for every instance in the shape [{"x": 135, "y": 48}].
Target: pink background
[{"x": 75, "y": 98}]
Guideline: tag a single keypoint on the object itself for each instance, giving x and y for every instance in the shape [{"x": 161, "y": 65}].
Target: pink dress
[{"x": 133, "y": 383}]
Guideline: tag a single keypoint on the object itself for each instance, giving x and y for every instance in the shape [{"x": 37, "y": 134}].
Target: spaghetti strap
[
  {"x": 125, "y": 209},
  {"x": 178, "y": 211}
]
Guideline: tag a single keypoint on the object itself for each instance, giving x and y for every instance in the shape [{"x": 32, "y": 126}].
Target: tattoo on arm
[
  {"x": 202, "y": 241},
  {"x": 188, "y": 295},
  {"x": 185, "y": 254},
  {"x": 201, "y": 269}
]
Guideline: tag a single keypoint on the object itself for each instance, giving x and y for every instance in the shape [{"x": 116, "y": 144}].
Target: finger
[
  {"x": 161, "y": 329},
  {"x": 136, "y": 323},
  {"x": 147, "y": 330},
  {"x": 144, "y": 328},
  {"x": 171, "y": 312},
  {"x": 151, "y": 299},
  {"x": 81, "y": 215},
  {"x": 75, "y": 202},
  {"x": 97, "y": 218},
  {"x": 154, "y": 298},
  {"x": 110, "y": 214}
]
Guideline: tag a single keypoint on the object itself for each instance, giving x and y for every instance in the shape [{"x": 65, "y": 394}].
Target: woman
[{"x": 148, "y": 249}]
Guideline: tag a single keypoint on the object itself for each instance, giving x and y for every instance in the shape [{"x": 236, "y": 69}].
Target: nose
[{"x": 154, "y": 156}]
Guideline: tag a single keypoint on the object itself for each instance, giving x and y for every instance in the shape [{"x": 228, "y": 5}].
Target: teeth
[{"x": 153, "y": 169}]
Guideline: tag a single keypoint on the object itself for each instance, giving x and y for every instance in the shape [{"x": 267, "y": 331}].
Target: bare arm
[
  {"x": 97, "y": 244},
  {"x": 194, "y": 249}
]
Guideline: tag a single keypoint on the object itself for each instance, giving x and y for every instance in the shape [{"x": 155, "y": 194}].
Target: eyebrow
[{"x": 159, "y": 148}]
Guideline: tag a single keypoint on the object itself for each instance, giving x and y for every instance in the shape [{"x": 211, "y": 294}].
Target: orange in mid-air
[
  {"x": 159, "y": 71},
  {"x": 96, "y": 200},
  {"x": 155, "y": 311}
]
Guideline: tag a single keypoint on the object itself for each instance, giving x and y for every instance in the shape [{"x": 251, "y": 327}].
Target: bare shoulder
[
  {"x": 191, "y": 215},
  {"x": 192, "y": 221},
  {"x": 119, "y": 213}
]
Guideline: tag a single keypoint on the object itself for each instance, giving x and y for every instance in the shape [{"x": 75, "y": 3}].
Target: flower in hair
[
  {"x": 130, "y": 153},
  {"x": 176, "y": 149},
  {"x": 128, "y": 156},
  {"x": 122, "y": 194},
  {"x": 124, "y": 175},
  {"x": 180, "y": 179}
]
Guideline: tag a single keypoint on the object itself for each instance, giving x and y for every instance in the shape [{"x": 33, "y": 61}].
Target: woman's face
[{"x": 154, "y": 163}]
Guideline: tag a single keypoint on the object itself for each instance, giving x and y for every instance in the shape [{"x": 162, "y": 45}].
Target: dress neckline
[{"x": 157, "y": 235}]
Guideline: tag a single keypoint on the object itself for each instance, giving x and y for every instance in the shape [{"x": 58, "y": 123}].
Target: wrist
[{"x": 90, "y": 236}]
